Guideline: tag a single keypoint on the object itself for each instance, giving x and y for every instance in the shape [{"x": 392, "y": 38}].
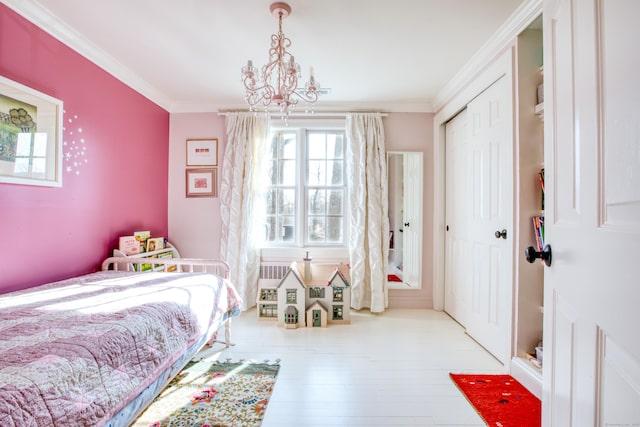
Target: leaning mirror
[{"x": 404, "y": 172}]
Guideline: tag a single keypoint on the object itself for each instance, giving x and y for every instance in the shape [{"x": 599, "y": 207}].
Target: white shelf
[{"x": 169, "y": 248}]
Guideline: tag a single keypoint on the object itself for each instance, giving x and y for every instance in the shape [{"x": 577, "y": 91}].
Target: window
[
  {"x": 306, "y": 191},
  {"x": 316, "y": 292},
  {"x": 31, "y": 154},
  {"x": 291, "y": 296},
  {"x": 337, "y": 294},
  {"x": 268, "y": 310},
  {"x": 268, "y": 295},
  {"x": 337, "y": 312}
]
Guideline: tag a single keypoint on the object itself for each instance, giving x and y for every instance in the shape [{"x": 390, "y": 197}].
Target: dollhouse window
[
  {"x": 316, "y": 293},
  {"x": 268, "y": 295},
  {"x": 268, "y": 311},
  {"x": 291, "y": 315},
  {"x": 337, "y": 312},
  {"x": 291, "y": 296},
  {"x": 338, "y": 294}
]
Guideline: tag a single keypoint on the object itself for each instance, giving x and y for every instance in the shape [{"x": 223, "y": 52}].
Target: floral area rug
[
  {"x": 214, "y": 394},
  {"x": 500, "y": 400}
]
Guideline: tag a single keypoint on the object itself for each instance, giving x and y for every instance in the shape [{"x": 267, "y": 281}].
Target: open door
[{"x": 591, "y": 371}]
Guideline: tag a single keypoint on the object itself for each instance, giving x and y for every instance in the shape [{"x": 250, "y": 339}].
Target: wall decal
[{"x": 75, "y": 150}]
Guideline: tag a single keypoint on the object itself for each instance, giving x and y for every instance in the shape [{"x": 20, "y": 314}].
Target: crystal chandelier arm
[{"x": 277, "y": 83}]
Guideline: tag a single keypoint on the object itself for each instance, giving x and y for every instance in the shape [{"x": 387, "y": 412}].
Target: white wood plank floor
[{"x": 390, "y": 369}]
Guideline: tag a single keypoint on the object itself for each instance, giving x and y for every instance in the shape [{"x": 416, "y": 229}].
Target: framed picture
[
  {"x": 201, "y": 182},
  {"x": 202, "y": 152},
  {"x": 30, "y": 136}
]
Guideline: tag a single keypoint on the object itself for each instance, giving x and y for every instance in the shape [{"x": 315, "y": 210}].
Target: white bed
[{"x": 96, "y": 349}]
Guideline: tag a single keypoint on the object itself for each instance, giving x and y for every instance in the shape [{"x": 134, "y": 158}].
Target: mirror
[{"x": 404, "y": 172}]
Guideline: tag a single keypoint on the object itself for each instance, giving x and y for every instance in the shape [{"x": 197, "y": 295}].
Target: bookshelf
[
  {"x": 529, "y": 287},
  {"x": 168, "y": 251}
]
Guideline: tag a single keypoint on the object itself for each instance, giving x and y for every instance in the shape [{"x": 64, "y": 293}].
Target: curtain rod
[{"x": 319, "y": 114}]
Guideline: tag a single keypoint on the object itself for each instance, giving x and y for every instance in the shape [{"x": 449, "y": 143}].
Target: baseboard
[{"x": 529, "y": 376}]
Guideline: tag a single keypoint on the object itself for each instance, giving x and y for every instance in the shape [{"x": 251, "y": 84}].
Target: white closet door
[
  {"x": 481, "y": 265},
  {"x": 458, "y": 202},
  {"x": 591, "y": 373}
]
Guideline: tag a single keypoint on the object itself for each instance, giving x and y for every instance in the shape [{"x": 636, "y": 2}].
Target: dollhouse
[{"x": 317, "y": 296}]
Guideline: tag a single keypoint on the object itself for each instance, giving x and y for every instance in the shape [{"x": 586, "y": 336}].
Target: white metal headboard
[{"x": 185, "y": 265}]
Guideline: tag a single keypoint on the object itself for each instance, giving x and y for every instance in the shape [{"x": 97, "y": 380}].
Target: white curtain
[
  {"x": 369, "y": 220},
  {"x": 240, "y": 200}
]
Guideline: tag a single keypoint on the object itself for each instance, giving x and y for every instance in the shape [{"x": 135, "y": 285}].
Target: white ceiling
[{"x": 186, "y": 55}]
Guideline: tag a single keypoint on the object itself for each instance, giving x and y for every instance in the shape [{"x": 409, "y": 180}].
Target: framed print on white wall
[
  {"x": 201, "y": 182},
  {"x": 30, "y": 136},
  {"x": 202, "y": 152}
]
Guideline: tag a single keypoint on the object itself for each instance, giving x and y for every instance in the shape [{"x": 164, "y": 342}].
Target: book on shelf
[
  {"x": 166, "y": 255},
  {"x": 142, "y": 237},
  {"x": 129, "y": 245},
  {"x": 155, "y": 243},
  {"x": 538, "y": 230},
  {"x": 541, "y": 180}
]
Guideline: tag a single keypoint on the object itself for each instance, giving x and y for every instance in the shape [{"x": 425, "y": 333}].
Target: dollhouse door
[{"x": 591, "y": 371}]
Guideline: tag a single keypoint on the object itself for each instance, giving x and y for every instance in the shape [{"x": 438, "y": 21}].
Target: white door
[
  {"x": 591, "y": 371},
  {"x": 458, "y": 181},
  {"x": 412, "y": 219},
  {"x": 485, "y": 261}
]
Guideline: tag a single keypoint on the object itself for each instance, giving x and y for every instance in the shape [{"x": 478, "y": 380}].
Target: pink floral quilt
[{"x": 75, "y": 352}]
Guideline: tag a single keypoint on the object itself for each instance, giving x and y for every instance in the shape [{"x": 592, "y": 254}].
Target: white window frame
[{"x": 274, "y": 251}]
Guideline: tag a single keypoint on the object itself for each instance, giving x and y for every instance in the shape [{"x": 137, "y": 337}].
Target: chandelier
[{"x": 276, "y": 86}]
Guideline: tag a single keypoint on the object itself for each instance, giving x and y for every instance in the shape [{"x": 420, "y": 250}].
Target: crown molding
[
  {"x": 319, "y": 108},
  {"x": 503, "y": 37},
  {"x": 48, "y": 22}
]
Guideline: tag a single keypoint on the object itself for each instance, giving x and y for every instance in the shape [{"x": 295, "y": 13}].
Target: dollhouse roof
[
  {"x": 317, "y": 304},
  {"x": 295, "y": 273},
  {"x": 323, "y": 274}
]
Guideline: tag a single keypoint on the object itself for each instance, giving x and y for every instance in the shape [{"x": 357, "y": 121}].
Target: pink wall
[{"x": 54, "y": 233}]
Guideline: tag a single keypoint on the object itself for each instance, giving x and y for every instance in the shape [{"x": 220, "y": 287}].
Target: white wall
[{"x": 195, "y": 224}]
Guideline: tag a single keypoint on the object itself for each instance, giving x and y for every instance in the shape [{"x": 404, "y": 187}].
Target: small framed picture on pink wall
[
  {"x": 201, "y": 182},
  {"x": 202, "y": 152}
]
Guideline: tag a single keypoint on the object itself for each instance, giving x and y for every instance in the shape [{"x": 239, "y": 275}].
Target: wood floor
[{"x": 390, "y": 369}]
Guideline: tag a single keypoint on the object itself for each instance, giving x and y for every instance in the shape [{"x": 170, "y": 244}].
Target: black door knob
[
  {"x": 500, "y": 234},
  {"x": 406, "y": 224},
  {"x": 531, "y": 254}
]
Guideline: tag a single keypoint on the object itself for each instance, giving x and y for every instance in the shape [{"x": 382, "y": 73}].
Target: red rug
[
  {"x": 393, "y": 278},
  {"x": 500, "y": 400}
]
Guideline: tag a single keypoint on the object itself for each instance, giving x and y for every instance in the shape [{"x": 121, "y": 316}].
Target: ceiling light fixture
[{"x": 277, "y": 84}]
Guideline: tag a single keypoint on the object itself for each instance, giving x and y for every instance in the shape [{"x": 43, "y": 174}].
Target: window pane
[
  {"x": 334, "y": 206},
  {"x": 316, "y": 172},
  {"x": 270, "y": 200},
  {"x": 335, "y": 146},
  {"x": 273, "y": 172},
  {"x": 334, "y": 229},
  {"x": 288, "y": 172},
  {"x": 40, "y": 144},
  {"x": 273, "y": 146},
  {"x": 334, "y": 172},
  {"x": 287, "y": 203},
  {"x": 317, "y": 146},
  {"x": 287, "y": 228},
  {"x": 316, "y": 203},
  {"x": 39, "y": 165},
  {"x": 21, "y": 165},
  {"x": 24, "y": 145},
  {"x": 316, "y": 229},
  {"x": 288, "y": 146},
  {"x": 270, "y": 229}
]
